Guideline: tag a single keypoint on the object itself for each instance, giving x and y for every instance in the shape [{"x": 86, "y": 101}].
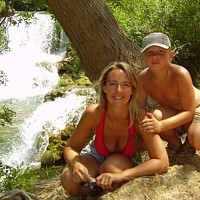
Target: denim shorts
[{"x": 89, "y": 149}]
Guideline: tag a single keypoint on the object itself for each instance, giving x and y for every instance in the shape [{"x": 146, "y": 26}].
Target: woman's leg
[
  {"x": 67, "y": 180},
  {"x": 116, "y": 163}
]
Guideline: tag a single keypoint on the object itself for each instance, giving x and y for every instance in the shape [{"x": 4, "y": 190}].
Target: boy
[{"x": 179, "y": 101}]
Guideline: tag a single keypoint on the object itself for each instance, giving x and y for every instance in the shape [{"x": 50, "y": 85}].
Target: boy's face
[{"x": 157, "y": 56}]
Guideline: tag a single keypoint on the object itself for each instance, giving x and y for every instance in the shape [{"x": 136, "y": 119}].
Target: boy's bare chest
[{"x": 165, "y": 92}]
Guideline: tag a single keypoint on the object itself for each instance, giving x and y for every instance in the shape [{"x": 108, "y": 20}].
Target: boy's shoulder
[
  {"x": 178, "y": 69},
  {"x": 144, "y": 71},
  {"x": 174, "y": 69}
]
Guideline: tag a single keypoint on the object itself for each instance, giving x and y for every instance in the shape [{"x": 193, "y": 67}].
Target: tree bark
[{"x": 94, "y": 34}]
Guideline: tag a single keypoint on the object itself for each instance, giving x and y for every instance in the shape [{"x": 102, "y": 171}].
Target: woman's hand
[
  {"x": 81, "y": 173},
  {"x": 151, "y": 124},
  {"x": 108, "y": 181}
]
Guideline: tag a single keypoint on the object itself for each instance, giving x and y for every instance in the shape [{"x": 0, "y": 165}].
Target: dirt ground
[{"x": 181, "y": 182}]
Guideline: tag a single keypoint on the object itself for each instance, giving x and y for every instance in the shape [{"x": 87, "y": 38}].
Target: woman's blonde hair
[{"x": 130, "y": 72}]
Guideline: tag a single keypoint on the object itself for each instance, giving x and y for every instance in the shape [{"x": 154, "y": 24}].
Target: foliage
[
  {"x": 177, "y": 18},
  {"x": 6, "y": 116},
  {"x": 3, "y": 41},
  {"x": 8, "y": 177},
  {"x": 29, "y": 5},
  {"x": 71, "y": 71},
  {"x": 2, "y": 6},
  {"x": 74, "y": 66},
  {"x": 28, "y": 180}
]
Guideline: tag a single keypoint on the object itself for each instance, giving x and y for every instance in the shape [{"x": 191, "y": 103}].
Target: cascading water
[
  {"x": 49, "y": 117},
  {"x": 29, "y": 66},
  {"x": 31, "y": 72}
]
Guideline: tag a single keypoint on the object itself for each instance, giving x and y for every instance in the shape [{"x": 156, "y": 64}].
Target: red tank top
[{"x": 133, "y": 145}]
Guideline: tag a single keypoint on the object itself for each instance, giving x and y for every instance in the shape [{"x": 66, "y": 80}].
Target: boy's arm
[
  {"x": 184, "y": 115},
  {"x": 187, "y": 102}
]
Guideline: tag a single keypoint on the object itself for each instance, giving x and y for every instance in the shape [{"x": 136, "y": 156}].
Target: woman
[{"x": 110, "y": 157}]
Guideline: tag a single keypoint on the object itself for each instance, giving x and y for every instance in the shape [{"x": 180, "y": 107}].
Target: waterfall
[
  {"x": 48, "y": 117},
  {"x": 30, "y": 69}
]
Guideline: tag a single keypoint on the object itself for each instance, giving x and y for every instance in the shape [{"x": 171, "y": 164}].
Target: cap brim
[{"x": 155, "y": 44}]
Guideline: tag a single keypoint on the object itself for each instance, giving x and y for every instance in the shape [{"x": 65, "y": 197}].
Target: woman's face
[{"x": 118, "y": 88}]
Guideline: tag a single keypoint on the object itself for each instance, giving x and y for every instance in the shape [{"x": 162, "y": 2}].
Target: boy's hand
[{"x": 151, "y": 124}]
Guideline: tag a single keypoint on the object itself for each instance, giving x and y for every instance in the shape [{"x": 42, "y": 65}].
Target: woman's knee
[
  {"x": 67, "y": 182},
  {"x": 115, "y": 163}
]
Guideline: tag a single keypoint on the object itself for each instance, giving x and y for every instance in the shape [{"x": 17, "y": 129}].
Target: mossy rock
[
  {"x": 52, "y": 95},
  {"x": 67, "y": 132},
  {"x": 50, "y": 158},
  {"x": 54, "y": 154},
  {"x": 54, "y": 138},
  {"x": 57, "y": 142},
  {"x": 83, "y": 81}
]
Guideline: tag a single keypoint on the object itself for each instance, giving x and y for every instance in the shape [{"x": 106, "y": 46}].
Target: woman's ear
[{"x": 104, "y": 89}]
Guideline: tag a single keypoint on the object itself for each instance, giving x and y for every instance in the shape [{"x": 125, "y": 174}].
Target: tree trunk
[{"x": 94, "y": 34}]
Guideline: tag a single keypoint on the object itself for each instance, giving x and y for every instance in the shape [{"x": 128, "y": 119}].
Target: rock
[{"x": 17, "y": 195}]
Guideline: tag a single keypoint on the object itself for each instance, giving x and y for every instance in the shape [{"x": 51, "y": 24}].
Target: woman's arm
[
  {"x": 158, "y": 163},
  {"x": 86, "y": 125}
]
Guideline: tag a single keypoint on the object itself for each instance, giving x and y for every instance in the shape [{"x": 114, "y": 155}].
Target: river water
[{"x": 31, "y": 71}]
